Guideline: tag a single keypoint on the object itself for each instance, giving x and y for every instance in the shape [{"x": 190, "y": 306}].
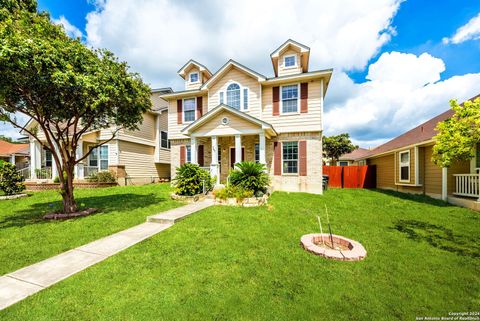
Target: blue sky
[{"x": 397, "y": 63}]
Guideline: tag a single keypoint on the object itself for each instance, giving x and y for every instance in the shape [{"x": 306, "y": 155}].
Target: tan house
[
  {"x": 140, "y": 156},
  {"x": 405, "y": 164},
  {"x": 239, "y": 114}
]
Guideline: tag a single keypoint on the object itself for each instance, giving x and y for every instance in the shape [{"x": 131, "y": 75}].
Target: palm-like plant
[{"x": 250, "y": 176}]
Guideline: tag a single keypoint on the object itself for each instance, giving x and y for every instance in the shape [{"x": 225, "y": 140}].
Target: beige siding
[
  {"x": 138, "y": 160},
  {"x": 173, "y": 127},
  {"x": 164, "y": 154},
  {"x": 284, "y": 71},
  {"x": 433, "y": 173},
  {"x": 236, "y": 125},
  {"x": 146, "y": 128},
  {"x": 310, "y": 121},
  {"x": 157, "y": 102},
  {"x": 245, "y": 81},
  {"x": 385, "y": 171}
]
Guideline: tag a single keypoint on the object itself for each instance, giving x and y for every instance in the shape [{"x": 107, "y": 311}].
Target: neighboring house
[
  {"x": 16, "y": 154},
  {"x": 405, "y": 164},
  {"x": 351, "y": 158},
  {"x": 239, "y": 114},
  {"x": 140, "y": 156}
]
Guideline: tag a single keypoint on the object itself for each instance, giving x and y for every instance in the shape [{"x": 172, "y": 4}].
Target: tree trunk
[{"x": 69, "y": 204}]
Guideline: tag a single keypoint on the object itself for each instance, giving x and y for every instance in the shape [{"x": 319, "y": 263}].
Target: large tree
[
  {"x": 66, "y": 88},
  {"x": 458, "y": 135},
  {"x": 337, "y": 145}
]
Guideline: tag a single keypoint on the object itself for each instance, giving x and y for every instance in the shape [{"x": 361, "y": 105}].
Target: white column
[
  {"x": 261, "y": 148},
  {"x": 214, "y": 164},
  {"x": 444, "y": 183},
  {"x": 79, "y": 167},
  {"x": 12, "y": 159},
  {"x": 32, "y": 159},
  {"x": 238, "y": 148},
  {"x": 193, "y": 150}
]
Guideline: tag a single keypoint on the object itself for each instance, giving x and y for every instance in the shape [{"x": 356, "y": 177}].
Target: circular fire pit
[{"x": 343, "y": 249}]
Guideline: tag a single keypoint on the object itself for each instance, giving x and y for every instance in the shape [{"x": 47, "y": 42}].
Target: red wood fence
[{"x": 350, "y": 176}]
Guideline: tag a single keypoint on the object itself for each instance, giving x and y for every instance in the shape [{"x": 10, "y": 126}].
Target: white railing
[
  {"x": 43, "y": 173},
  {"x": 89, "y": 171},
  {"x": 25, "y": 172},
  {"x": 467, "y": 185}
]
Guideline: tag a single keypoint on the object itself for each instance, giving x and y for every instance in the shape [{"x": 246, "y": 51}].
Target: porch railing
[
  {"x": 43, "y": 173},
  {"x": 25, "y": 172},
  {"x": 467, "y": 185}
]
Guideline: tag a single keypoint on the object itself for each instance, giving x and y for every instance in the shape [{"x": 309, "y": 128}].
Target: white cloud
[
  {"x": 157, "y": 37},
  {"x": 70, "y": 29},
  {"x": 403, "y": 90},
  {"x": 469, "y": 31}
]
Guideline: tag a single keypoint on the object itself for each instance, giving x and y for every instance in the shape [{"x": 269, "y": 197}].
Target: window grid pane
[
  {"x": 164, "y": 142},
  {"x": 290, "y": 157},
  {"x": 189, "y": 109},
  {"x": 233, "y": 96},
  {"x": 257, "y": 153},
  {"x": 289, "y": 99},
  {"x": 189, "y": 154},
  {"x": 290, "y": 61},
  {"x": 194, "y": 77}
]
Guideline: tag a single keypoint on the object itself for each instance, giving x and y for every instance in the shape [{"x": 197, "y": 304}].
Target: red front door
[{"x": 232, "y": 156}]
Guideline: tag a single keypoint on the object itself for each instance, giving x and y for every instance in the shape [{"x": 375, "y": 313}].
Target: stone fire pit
[{"x": 343, "y": 249}]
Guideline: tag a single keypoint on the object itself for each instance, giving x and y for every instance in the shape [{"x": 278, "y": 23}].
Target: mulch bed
[{"x": 64, "y": 216}]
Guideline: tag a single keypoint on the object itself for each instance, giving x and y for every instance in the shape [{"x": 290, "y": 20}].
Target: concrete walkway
[{"x": 17, "y": 285}]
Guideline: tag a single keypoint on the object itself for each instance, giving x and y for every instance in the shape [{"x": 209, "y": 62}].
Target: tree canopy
[
  {"x": 458, "y": 135},
  {"x": 337, "y": 145},
  {"x": 66, "y": 88}
]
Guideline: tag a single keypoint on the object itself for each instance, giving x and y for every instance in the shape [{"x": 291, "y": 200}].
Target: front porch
[
  {"x": 42, "y": 167},
  {"x": 466, "y": 191}
]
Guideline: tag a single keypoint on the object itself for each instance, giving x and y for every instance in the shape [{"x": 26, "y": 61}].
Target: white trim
[
  {"x": 252, "y": 73},
  {"x": 134, "y": 139},
  {"x": 298, "y": 100},
  {"x": 225, "y": 96},
  {"x": 288, "y": 56},
  {"x": 194, "y": 110},
  {"x": 417, "y": 165},
  {"x": 400, "y": 166},
  {"x": 291, "y": 42},
  {"x": 243, "y": 132},
  {"x": 444, "y": 184}
]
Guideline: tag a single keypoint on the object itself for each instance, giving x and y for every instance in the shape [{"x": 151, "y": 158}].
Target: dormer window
[
  {"x": 290, "y": 61},
  {"x": 194, "y": 77}
]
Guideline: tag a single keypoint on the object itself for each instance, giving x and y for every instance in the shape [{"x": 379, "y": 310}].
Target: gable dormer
[
  {"x": 195, "y": 74},
  {"x": 290, "y": 58}
]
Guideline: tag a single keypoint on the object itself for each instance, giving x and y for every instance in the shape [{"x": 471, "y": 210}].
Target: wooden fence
[{"x": 351, "y": 176}]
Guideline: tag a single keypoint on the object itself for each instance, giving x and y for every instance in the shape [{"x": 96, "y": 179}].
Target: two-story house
[
  {"x": 239, "y": 114},
  {"x": 136, "y": 157}
]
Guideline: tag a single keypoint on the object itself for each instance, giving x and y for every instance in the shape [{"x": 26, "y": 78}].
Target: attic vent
[{"x": 225, "y": 121}]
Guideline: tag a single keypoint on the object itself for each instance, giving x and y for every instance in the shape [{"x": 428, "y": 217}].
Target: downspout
[{"x": 444, "y": 184}]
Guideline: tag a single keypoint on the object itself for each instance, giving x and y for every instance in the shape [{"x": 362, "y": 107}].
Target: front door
[{"x": 232, "y": 156}]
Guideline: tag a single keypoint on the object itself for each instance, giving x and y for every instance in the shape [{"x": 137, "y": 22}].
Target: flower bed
[
  {"x": 11, "y": 197},
  {"x": 246, "y": 202},
  {"x": 48, "y": 186},
  {"x": 189, "y": 199}
]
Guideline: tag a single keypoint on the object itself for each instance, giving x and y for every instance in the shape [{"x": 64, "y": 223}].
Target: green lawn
[
  {"x": 26, "y": 238},
  {"x": 228, "y": 263}
]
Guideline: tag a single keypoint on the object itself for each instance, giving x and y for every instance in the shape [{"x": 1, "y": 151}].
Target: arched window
[{"x": 233, "y": 96}]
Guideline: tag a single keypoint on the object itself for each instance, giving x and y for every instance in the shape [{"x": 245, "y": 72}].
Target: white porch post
[
  {"x": 238, "y": 148},
  {"x": 12, "y": 159},
  {"x": 193, "y": 150},
  {"x": 214, "y": 164},
  {"x": 444, "y": 183},
  {"x": 35, "y": 157},
  {"x": 261, "y": 149},
  {"x": 79, "y": 173}
]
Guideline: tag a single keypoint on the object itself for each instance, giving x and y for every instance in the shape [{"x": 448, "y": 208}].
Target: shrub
[
  {"x": 250, "y": 176},
  {"x": 190, "y": 178},
  {"x": 57, "y": 179},
  {"x": 11, "y": 182},
  {"x": 106, "y": 177},
  {"x": 233, "y": 192}
]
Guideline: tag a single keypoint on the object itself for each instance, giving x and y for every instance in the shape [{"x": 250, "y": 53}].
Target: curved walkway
[{"x": 17, "y": 285}]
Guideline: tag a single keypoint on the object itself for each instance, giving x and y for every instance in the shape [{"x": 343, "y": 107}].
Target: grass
[
  {"x": 229, "y": 263},
  {"x": 26, "y": 238}
]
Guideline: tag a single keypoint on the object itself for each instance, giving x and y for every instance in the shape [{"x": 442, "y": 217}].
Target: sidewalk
[{"x": 17, "y": 285}]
